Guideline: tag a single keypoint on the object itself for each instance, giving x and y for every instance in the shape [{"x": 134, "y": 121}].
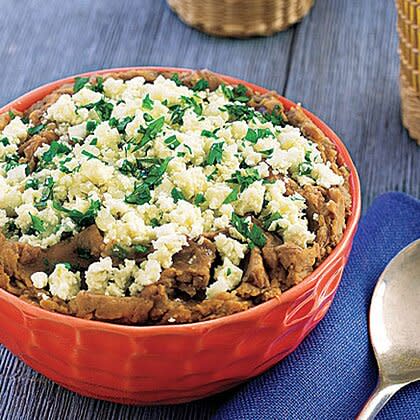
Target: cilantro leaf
[
  {"x": 37, "y": 224},
  {"x": 35, "y": 130},
  {"x": 172, "y": 142},
  {"x": 55, "y": 149},
  {"x": 175, "y": 78},
  {"x": 271, "y": 218},
  {"x": 215, "y": 153},
  {"x": 47, "y": 194},
  {"x": 152, "y": 131},
  {"x": 232, "y": 196},
  {"x": 147, "y": 103},
  {"x": 255, "y": 234},
  {"x": 199, "y": 199},
  {"x": 79, "y": 83},
  {"x": 140, "y": 195},
  {"x": 81, "y": 219},
  {"x": 177, "y": 195},
  {"x": 141, "y": 249},
  {"x": 202, "y": 84}
]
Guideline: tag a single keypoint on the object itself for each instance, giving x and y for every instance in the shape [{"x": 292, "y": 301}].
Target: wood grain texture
[{"x": 341, "y": 62}]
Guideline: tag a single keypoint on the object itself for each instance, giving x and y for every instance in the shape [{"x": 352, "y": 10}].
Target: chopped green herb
[
  {"x": 228, "y": 271},
  {"x": 47, "y": 193},
  {"x": 11, "y": 115},
  {"x": 210, "y": 134},
  {"x": 32, "y": 183},
  {"x": 177, "y": 114},
  {"x": 233, "y": 195},
  {"x": 154, "y": 222},
  {"x": 275, "y": 116},
  {"x": 102, "y": 108},
  {"x": 211, "y": 176},
  {"x": 62, "y": 165},
  {"x": 141, "y": 249},
  {"x": 147, "y": 103},
  {"x": 119, "y": 252},
  {"x": 202, "y": 84},
  {"x": 35, "y": 130},
  {"x": 270, "y": 219},
  {"x": 238, "y": 93},
  {"x": 54, "y": 150},
  {"x": 140, "y": 195},
  {"x": 177, "y": 195},
  {"x": 255, "y": 234},
  {"x": 215, "y": 153},
  {"x": 81, "y": 219},
  {"x": 191, "y": 102},
  {"x": 11, "y": 162},
  {"x": 5, "y": 141},
  {"x": 239, "y": 112},
  {"x": 121, "y": 125},
  {"x": 99, "y": 86},
  {"x": 267, "y": 152},
  {"x": 304, "y": 169},
  {"x": 151, "y": 131},
  {"x": 199, "y": 199},
  {"x": 79, "y": 83},
  {"x": 37, "y": 224},
  {"x": 94, "y": 142},
  {"x": 172, "y": 142},
  {"x": 254, "y": 135},
  {"x": 91, "y": 125},
  {"x": 244, "y": 181},
  {"x": 89, "y": 155},
  {"x": 175, "y": 78}
]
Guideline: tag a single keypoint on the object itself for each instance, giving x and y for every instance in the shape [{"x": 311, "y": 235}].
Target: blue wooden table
[{"x": 341, "y": 62}]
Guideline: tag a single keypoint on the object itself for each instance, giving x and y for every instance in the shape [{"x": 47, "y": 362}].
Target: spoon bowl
[{"x": 394, "y": 327}]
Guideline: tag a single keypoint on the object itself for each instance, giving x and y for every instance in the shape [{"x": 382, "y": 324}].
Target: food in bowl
[{"x": 151, "y": 197}]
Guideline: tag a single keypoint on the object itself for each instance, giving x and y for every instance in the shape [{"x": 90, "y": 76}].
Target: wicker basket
[
  {"x": 409, "y": 37},
  {"x": 240, "y": 18}
]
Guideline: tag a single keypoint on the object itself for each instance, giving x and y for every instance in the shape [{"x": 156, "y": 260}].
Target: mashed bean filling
[{"x": 152, "y": 197}]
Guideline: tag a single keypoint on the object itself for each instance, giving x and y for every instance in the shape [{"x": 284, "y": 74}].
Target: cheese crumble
[{"x": 154, "y": 166}]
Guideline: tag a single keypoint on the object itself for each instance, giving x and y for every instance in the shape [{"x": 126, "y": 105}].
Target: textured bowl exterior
[{"x": 176, "y": 363}]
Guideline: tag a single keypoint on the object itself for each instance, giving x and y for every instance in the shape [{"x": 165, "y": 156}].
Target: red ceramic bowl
[{"x": 175, "y": 363}]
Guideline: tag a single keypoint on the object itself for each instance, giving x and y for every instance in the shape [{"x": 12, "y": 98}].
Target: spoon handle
[{"x": 379, "y": 397}]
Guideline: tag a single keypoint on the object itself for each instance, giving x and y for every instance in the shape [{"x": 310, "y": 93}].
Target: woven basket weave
[
  {"x": 240, "y": 18},
  {"x": 409, "y": 37}
]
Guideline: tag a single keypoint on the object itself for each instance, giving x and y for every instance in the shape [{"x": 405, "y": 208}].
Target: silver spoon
[{"x": 394, "y": 326}]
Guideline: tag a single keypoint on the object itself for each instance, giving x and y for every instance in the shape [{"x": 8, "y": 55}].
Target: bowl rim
[{"x": 24, "y": 101}]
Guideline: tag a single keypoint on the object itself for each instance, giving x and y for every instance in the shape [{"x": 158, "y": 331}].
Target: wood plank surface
[{"x": 341, "y": 62}]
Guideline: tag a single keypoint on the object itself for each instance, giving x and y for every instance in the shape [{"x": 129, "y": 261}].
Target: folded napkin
[{"x": 333, "y": 371}]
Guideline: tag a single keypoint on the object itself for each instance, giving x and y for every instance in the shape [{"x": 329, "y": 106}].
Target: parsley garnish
[
  {"x": 175, "y": 78},
  {"x": 141, "y": 249},
  {"x": 202, "y": 84},
  {"x": 244, "y": 181},
  {"x": 11, "y": 162},
  {"x": 99, "y": 86},
  {"x": 5, "y": 141},
  {"x": 254, "y": 135},
  {"x": 239, "y": 112},
  {"x": 47, "y": 193},
  {"x": 151, "y": 131},
  {"x": 79, "y": 83},
  {"x": 232, "y": 196},
  {"x": 11, "y": 115},
  {"x": 199, "y": 199},
  {"x": 255, "y": 234},
  {"x": 275, "y": 116},
  {"x": 32, "y": 183},
  {"x": 238, "y": 93},
  {"x": 172, "y": 142},
  {"x": 177, "y": 195},
  {"x": 89, "y": 155},
  {"x": 90, "y": 126},
  {"x": 215, "y": 153},
  {"x": 35, "y": 130},
  {"x": 54, "y": 150},
  {"x": 147, "y": 103},
  {"x": 119, "y": 252},
  {"x": 210, "y": 134},
  {"x": 37, "y": 224},
  {"x": 304, "y": 169},
  {"x": 270, "y": 219},
  {"x": 141, "y": 193},
  {"x": 81, "y": 219},
  {"x": 102, "y": 108}
]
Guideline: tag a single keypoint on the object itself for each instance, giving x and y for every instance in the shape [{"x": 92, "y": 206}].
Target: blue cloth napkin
[{"x": 333, "y": 371}]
